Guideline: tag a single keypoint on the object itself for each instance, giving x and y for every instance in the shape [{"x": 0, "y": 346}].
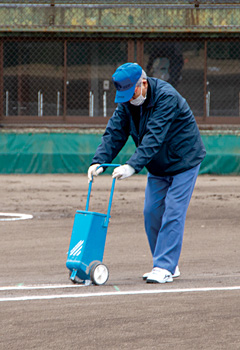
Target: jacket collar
[{"x": 150, "y": 92}]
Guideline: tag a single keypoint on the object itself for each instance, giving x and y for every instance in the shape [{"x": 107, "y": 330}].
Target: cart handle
[{"x": 111, "y": 193}]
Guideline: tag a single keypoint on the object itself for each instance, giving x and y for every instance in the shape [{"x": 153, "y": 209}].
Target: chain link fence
[
  {"x": 38, "y": 81},
  {"x": 206, "y": 72},
  {"x": 62, "y": 76}
]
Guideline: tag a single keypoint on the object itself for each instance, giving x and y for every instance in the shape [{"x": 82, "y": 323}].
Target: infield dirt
[{"x": 33, "y": 252}]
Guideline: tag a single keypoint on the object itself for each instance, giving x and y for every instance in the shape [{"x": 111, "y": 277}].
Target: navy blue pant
[{"x": 166, "y": 202}]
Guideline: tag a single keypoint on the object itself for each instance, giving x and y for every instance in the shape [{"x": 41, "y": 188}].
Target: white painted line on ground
[
  {"x": 44, "y": 286},
  {"x": 120, "y": 293},
  {"x": 14, "y": 216}
]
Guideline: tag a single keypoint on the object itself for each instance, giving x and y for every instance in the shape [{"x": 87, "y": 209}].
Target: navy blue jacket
[{"x": 164, "y": 131}]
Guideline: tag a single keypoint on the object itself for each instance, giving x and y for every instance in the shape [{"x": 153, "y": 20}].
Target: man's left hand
[{"x": 123, "y": 171}]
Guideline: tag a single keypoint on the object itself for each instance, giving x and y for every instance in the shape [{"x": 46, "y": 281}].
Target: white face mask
[{"x": 139, "y": 100}]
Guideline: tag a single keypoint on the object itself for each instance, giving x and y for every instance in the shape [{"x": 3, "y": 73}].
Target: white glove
[
  {"x": 123, "y": 171},
  {"x": 93, "y": 171}
]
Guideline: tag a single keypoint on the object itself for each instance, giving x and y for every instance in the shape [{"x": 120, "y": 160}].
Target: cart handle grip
[{"x": 111, "y": 193}]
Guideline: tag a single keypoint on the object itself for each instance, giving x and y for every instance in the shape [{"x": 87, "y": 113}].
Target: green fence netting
[{"x": 43, "y": 153}]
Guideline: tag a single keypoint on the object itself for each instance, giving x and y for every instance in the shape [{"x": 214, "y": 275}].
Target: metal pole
[
  {"x": 39, "y": 94},
  {"x": 1, "y": 79},
  {"x": 58, "y": 103},
  {"x": 208, "y": 103},
  {"x": 19, "y": 81},
  {"x": 91, "y": 104},
  {"x": 105, "y": 104},
  {"x": 65, "y": 81},
  {"x": 205, "y": 81},
  {"x": 7, "y": 102},
  {"x": 40, "y": 103},
  {"x": 41, "y": 99},
  {"x": 94, "y": 77},
  {"x": 239, "y": 104}
]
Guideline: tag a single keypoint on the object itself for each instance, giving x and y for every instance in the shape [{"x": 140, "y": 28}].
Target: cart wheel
[{"x": 99, "y": 274}]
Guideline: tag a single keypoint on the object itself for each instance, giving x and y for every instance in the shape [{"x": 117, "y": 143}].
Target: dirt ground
[{"x": 41, "y": 309}]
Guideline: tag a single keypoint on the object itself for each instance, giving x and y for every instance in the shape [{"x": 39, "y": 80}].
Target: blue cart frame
[{"x": 88, "y": 240}]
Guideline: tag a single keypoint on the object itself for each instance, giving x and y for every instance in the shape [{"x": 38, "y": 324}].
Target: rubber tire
[{"x": 93, "y": 277}]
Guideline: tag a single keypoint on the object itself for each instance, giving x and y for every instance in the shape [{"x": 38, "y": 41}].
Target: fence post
[
  {"x": 58, "y": 103},
  {"x": 65, "y": 81},
  {"x": 140, "y": 51},
  {"x": 205, "y": 82},
  {"x": 7, "y": 103},
  {"x": 1, "y": 79}
]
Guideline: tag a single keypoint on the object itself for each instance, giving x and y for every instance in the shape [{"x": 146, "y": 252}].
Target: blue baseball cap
[{"x": 125, "y": 79}]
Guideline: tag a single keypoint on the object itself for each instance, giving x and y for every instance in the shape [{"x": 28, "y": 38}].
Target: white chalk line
[
  {"x": 45, "y": 286},
  {"x": 15, "y": 217},
  {"x": 119, "y": 293}
]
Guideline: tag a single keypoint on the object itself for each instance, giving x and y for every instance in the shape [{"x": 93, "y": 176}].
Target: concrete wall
[{"x": 120, "y": 17}]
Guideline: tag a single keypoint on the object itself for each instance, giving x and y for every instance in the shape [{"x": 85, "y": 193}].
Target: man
[{"x": 169, "y": 145}]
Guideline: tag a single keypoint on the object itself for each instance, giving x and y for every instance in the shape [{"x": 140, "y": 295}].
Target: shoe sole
[
  {"x": 155, "y": 281},
  {"x": 173, "y": 276}
]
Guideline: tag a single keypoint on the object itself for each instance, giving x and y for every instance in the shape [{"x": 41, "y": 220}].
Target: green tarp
[{"x": 28, "y": 153}]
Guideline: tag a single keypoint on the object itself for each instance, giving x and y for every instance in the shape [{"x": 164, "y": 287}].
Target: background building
[{"x": 57, "y": 57}]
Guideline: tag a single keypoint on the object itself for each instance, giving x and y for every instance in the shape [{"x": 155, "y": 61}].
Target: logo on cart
[{"x": 77, "y": 249}]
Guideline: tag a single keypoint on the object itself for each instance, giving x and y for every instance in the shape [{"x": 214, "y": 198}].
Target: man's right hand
[{"x": 93, "y": 171}]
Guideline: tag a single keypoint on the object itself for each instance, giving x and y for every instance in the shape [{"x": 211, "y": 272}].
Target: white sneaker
[
  {"x": 158, "y": 275},
  {"x": 176, "y": 272},
  {"x": 175, "y": 275}
]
